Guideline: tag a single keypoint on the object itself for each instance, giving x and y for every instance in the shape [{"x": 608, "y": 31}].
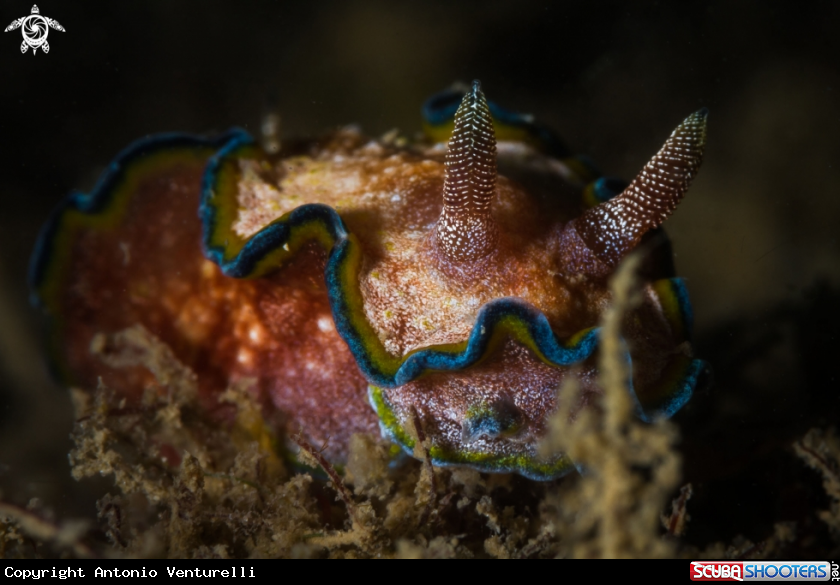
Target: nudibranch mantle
[{"x": 347, "y": 273}]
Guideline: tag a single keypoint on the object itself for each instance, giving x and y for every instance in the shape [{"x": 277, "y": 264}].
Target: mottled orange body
[
  {"x": 455, "y": 297},
  {"x": 276, "y": 332}
]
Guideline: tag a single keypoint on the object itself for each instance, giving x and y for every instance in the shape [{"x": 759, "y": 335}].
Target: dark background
[{"x": 757, "y": 236}]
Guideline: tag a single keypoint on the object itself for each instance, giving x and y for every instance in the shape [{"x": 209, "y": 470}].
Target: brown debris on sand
[{"x": 186, "y": 486}]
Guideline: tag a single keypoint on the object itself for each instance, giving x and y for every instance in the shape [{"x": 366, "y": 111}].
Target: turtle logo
[{"x": 35, "y": 29}]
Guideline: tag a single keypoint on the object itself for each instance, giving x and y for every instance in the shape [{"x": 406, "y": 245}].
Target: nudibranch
[{"x": 364, "y": 285}]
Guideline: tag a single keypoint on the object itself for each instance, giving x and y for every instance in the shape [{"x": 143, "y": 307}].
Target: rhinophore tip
[
  {"x": 613, "y": 229},
  {"x": 466, "y": 231}
]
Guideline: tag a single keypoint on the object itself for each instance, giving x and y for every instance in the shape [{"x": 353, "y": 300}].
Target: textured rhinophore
[{"x": 357, "y": 285}]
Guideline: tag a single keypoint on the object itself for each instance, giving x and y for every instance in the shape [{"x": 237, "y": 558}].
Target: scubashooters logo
[
  {"x": 760, "y": 571},
  {"x": 35, "y": 29}
]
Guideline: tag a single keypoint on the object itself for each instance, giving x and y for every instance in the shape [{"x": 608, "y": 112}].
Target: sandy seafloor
[{"x": 756, "y": 237}]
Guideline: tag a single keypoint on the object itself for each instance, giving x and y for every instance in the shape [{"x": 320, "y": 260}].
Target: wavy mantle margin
[
  {"x": 496, "y": 321},
  {"x": 526, "y": 464},
  {"x": 101, "y": 209},
  {"x": 103, "y": 201},
  {"x": 268, "y": 249}
]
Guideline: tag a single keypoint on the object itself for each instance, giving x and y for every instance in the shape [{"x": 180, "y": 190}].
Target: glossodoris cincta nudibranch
[{"x": 364, "y": 286}]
